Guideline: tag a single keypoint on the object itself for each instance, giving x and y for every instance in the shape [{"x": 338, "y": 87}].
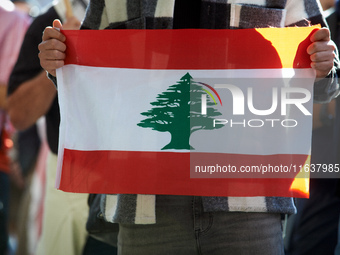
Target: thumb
[{"x": 57, "y": 24}]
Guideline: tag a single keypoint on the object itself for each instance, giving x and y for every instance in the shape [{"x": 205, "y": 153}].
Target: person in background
[
  {"x": 22, "y": 5},
  {"x": 317, "y": 217},
  {"x": 13, "y": 27},
  {"x": 30, "y": 96},
  {"x": 334, "y": 19}
]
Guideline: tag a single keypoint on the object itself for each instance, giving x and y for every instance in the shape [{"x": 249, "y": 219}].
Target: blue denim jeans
[{"x": 183, "y": 228}]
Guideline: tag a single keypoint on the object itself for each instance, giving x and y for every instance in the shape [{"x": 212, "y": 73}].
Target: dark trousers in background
[
  {"x": 95, "y": 247},
  {"x": 314, "y": 229}
]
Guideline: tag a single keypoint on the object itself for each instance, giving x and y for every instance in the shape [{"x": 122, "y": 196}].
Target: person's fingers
[
  {"x": 322, "y": 68},
  {"x": 322, "y": 52},
  {"x": 320, "y": 46},
  {"x": 54, "y": 32},
  {"x": 57, "y": 24},
  {"x": 322, "y": 34},
  {"x": 52, "y": 65},
  {"x": 320, "y": 56},
  {"x": 51, "y": 55},
  {"x": 52, "y": 48},
  {"x": 52, "y": 45}
]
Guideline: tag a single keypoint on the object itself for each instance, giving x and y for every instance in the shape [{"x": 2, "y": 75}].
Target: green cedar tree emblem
[{"x": 178, "y": 111}]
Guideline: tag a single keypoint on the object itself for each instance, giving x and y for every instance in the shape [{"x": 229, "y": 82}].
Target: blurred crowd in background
[{"x": 25, "y": 148}]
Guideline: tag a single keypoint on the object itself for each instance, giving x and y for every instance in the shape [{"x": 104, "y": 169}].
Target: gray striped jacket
[{"x": 215, "y": 14}]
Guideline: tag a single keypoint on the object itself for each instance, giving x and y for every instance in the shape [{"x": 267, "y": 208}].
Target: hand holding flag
[
  {"x": 321, "y": 52},
  {"x": 52, "y": 48}
]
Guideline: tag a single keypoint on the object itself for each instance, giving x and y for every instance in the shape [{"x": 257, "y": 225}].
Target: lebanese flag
[{"x": 186, "y": 112}]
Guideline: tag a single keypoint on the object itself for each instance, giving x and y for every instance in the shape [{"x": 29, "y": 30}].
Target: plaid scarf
[{"x": 215, "y": 14}]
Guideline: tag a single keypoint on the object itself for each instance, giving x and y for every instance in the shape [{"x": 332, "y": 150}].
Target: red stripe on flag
[
  {"x": 179, "y": 49},
  {"x": 128, "y": 172}
]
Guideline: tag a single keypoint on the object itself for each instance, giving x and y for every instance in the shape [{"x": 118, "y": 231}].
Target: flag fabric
[{"x": 186, "y": 112}]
